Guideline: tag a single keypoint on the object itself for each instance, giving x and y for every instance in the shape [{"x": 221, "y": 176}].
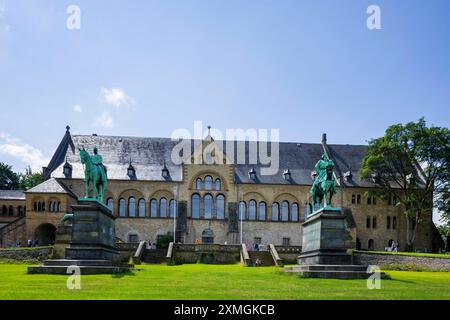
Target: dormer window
[
  {"x": 348, "y": 176},
  {"x": 165, "y": 172},
  {"x": 252, "y": 174},
  {"x": 287, "y": 174},
  {"x": 131, "y": 172},
  {"x": 67, "y": 170}
]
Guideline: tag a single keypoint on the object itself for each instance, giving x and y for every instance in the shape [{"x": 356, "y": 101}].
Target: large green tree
[
  {"x": 410, "y": 164},
  {"x": 29, "y": 179},
  {"x": 9, "y": 180}
]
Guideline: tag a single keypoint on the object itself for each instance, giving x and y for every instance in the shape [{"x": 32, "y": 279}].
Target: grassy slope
[{"x": 217, "y": 282}]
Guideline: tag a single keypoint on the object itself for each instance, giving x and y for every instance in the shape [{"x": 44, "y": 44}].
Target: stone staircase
[
  {"x": 154, "y": 256},
  {"x": 264, "y": 256},
  {"x": 7, "y": 233},
  {"x": 331, "y": 271}
]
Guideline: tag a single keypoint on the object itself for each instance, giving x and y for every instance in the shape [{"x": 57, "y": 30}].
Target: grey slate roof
[
  {"x": 12, "y": 195},
  {"x": 148, "y": 156},
  {"x": 51, "y": 186}
]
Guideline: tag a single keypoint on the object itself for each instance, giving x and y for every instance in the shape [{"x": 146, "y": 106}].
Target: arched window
[
  {"x": 195, "y": 206},
  {"x": 153, "y": 208},
  {"x": 58, "y": 206},
  {"x": 368, "y": 222},
  {"x": 285, "y": 211},
  {"x": 208, "y": 201},
  {"x": 43, "y": 206},
  {"x": 122, "y": 207},
  {"x": 370, "y": 244},
  {"x": 208, "y": 182},
  {"x": 110, "y": 204},
  {"x": 218, "y": 184},
  {"x": 141, "y": 205},
  {"x": 199, "y": 184},
  {"x": 132, "y": 207},
  {"x": 35, "y": 206},
  {"x": 394, "y": 223},
  {"x": 163, "y": 208},
  {"x": 262, "y": 211},
  {"x": 242, "y": 210},
  {"x": 172, "y": 208},
  {"x": 252, "y": 210},
  {"x": 39, "y": 207},
  {"x": 220, "y": 203},
  {"x": 4, "y": 211},
  {"x": 275, "y": 211},
  {"x": 294, "y": 212},
  {"x": 11, "y": 211}
]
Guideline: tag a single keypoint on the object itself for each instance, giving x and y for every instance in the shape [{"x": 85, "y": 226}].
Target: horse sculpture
[
  {"x": 95, "y": 173},
  {"x": 323, "y": 187}
]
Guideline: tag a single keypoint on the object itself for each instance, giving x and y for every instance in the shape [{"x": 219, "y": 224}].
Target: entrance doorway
[{"x": 45, "y": 234}]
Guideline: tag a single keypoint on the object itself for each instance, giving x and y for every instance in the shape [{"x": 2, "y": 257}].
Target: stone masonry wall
[{"x": 433, "y": 263}]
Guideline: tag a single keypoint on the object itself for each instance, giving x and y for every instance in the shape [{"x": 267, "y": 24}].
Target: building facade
[{"x": 223, "y": 201}]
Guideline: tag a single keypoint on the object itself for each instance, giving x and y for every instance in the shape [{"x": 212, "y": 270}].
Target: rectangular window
[
  {"x": 353, "y": 198},
  {"x": 374, "y": 222},
  {"x": 286, "y": 241},
  {"x": 368, "y": 222}
]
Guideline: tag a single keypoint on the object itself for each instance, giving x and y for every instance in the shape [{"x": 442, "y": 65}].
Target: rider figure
[
  {"x": 321, "y": 169},
  {"x": 98, "y": 161}
]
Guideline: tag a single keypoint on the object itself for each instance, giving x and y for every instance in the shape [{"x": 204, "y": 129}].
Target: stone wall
[
  {"x": 206, "y": 253},
  {"x": 39, "y": 253},
  {"x": 380, "y": 259}
]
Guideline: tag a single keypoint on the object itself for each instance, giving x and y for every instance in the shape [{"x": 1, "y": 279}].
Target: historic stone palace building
[{"x": 152, "y": 196}]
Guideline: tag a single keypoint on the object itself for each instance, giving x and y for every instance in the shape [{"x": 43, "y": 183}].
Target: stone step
[
  {"x": 332, "y": 271},
  {"x": 84, "y": 270},
  {"x": 264, "y": 256},
  {"x": 67, "y": 263},
  {"x": 326, "y": 267}
]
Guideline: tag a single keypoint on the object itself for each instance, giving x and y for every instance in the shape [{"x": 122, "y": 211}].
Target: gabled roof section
[
  {"x": 60, "y": 154},
  {"x": 52, "y": 185}
]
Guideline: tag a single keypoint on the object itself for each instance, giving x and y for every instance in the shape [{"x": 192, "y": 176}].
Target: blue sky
[{"x": 146, "y": 68}]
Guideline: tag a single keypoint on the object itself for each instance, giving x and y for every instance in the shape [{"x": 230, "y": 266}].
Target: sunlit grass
[{"x": 217, "y": 282}]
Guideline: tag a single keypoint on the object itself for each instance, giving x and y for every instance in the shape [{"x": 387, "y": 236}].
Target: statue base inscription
[{"x": 92, "y": 245}]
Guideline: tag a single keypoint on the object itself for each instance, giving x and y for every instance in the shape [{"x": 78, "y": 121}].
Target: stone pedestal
[
  {"x": 325, "y": 239},
  {"x": 93, "y": 233},
  {"x": 92, "y": 245}
]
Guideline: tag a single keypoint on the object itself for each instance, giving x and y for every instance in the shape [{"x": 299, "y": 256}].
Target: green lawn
[{"x": 217, "y": 282}]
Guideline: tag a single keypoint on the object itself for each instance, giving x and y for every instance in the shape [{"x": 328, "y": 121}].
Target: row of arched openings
[
  {"x": 258, "y": 212},
  {"x": 8, "y": 211},
  {"x": 208, "y": 206},
  {"x": 133, "y": 208},
  {"x": 208, "y": 183}
]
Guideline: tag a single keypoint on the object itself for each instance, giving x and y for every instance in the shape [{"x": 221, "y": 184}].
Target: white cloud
[
  {"x": 105, "y": 120},
  {"x": 77, "y": 108},
  {"x": 115, "y": 97},
  {"x": 26, "y": 153}
]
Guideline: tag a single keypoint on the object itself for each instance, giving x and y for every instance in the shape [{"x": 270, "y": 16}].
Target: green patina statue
[
  {"x": 95, "y": 173},
  {"x": 323, "y": 187}
]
